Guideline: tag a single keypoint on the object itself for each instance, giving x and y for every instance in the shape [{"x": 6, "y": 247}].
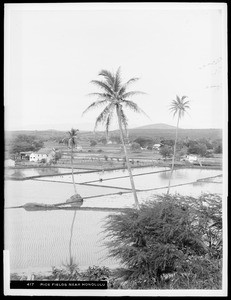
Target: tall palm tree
[
  {"x": 115, "y": 96},
  {"x": 178, "y": 107},
  {"x": 71, "y": 142}
]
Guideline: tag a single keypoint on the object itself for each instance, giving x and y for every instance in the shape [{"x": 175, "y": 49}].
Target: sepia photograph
[{"x": 115, "y": 149}]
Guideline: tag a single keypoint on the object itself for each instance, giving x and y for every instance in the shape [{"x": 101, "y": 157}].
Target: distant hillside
[
  {"x": 170, "y": 134},
  {"x": 156, "y": 126},
  {"x": 44, "y": 135},
  {"x": 143, "y": 131}
]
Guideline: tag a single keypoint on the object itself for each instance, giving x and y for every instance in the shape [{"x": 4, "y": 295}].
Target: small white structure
[
  {"x": 9, "y": 163},
  {"x": 191, "y": 158},
  {"x": 156, "y": 146},
  {"x": 44, "y": 153},
  {"x": 79, "y": 148}
]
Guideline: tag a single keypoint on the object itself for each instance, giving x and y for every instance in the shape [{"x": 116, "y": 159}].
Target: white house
[
  {"x": 79, "y": 148},
  {"x": 9, "y": 163},
  {"x": 156, "y": 146},
  {"x": 44, "y": 153},
  {"x": 191, "y": 158}
]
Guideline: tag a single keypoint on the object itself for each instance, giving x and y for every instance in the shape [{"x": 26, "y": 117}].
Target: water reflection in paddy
[
  {"x": 27, "y": 172},
  {"x": 156, "y": 177},
  {"x": 88, "y": 177},
  {"x": 40, "y": 239}
]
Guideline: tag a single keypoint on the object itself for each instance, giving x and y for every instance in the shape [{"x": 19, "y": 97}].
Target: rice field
[{"x": 38, "y": 240}]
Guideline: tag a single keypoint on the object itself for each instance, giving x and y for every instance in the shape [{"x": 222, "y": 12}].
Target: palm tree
[
  {"x": 71, "y": 142},
  {"x": 179, "y": 107},
  {"x": 116, "y": 97}
]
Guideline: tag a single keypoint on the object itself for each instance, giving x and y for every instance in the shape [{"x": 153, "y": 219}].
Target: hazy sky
[{"x": 52, "y": 52}]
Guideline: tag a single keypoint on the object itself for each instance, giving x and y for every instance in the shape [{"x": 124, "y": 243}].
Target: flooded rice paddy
[{"x": 38, "y": 240}]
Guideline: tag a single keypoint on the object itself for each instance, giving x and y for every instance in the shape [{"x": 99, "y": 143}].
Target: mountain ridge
[{"x": 156, "y": 126}]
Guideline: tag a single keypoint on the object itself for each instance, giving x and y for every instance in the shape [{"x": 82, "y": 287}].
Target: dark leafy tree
[
  {"x": 144, "y": 142},
  {"x": 135, "y": 147},
  {"x": 24, "y": 143},
  {"x": 172, "y": 234},
  {"x": 165, "y": 151},
  {"x": 93, "y": 143},
  {"x": 197, "y": 148}
]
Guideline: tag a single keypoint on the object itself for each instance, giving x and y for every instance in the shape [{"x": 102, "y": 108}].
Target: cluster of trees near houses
[
  {"x": 202, "y": 146},
  {"x": 23, "y": 143}
]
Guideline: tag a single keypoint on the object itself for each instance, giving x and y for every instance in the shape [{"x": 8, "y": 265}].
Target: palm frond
[
  {"x": 124, "y": 86},
  {"x": 108, "y": 76},
  {"x": 179, "y": 106},
  {"x": 132, "y": 93},
  {"x": 72, "y": 142},
  {"x": 100, "y": 95},
  {"x": 104, "y": 86},
  {"x": 134, "y": 107},
  {"x": 101, "y": 119},
  {"x": 177, "y": 98},
  {"x": 95, "y": 104},
  {"x": 73, "y": 132},
  {"x": 124, "y": 119},
  {"x": 117, "y": 80},
  {"x": 65, "y": 141},
  {"x": 108, "y": 121}
]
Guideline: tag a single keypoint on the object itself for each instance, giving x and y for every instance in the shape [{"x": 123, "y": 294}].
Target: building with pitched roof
[{"x": 44, "y": 153}]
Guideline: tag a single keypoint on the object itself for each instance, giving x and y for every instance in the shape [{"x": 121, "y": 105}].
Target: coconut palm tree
[
  {"x": 178, "y": 107},
  {"x": 71, "y": 142},
  {"x": 115, "y": 96}
]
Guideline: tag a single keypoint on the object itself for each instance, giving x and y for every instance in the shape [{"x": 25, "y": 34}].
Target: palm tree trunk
[
  {"x": 73, "y": 220},
  {"x": 72, "y": 170},
  {"x": 174, "y": 154},
  {"x": 127, "y": 159}
]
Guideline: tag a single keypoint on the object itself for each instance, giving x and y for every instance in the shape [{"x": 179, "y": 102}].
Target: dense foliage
[
  {"x": 144, "y": 141},
  {"x": 93, "y": 143},
  {"x": 135, "y": 147},
  {"x": 25, "y": 142},
  {"x": 171, "y": 242},
  {"x": 70, "y": 272},
  {"x": 166, "y": 151}
]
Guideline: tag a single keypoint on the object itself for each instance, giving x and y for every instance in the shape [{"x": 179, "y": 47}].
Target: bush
[
  {"x": 96, "y": 273},
  {"x": 166, "y": 151},
  {"x": 58, "y": 155},
  {"x": 93, "y": 143},
  {"x": 197, "y": 148},
  {"x": 144, "y": 141},
  {"x": 170, "y": 236},
  {"x": 70, "y": 272},
  {"x": 135, "y": 147},
  {"x": 218, "y": 149},
  {"x": 103, "y": 140}
]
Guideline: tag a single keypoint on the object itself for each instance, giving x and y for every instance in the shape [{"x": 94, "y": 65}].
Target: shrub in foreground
[{"x": 171, "y": 242}]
